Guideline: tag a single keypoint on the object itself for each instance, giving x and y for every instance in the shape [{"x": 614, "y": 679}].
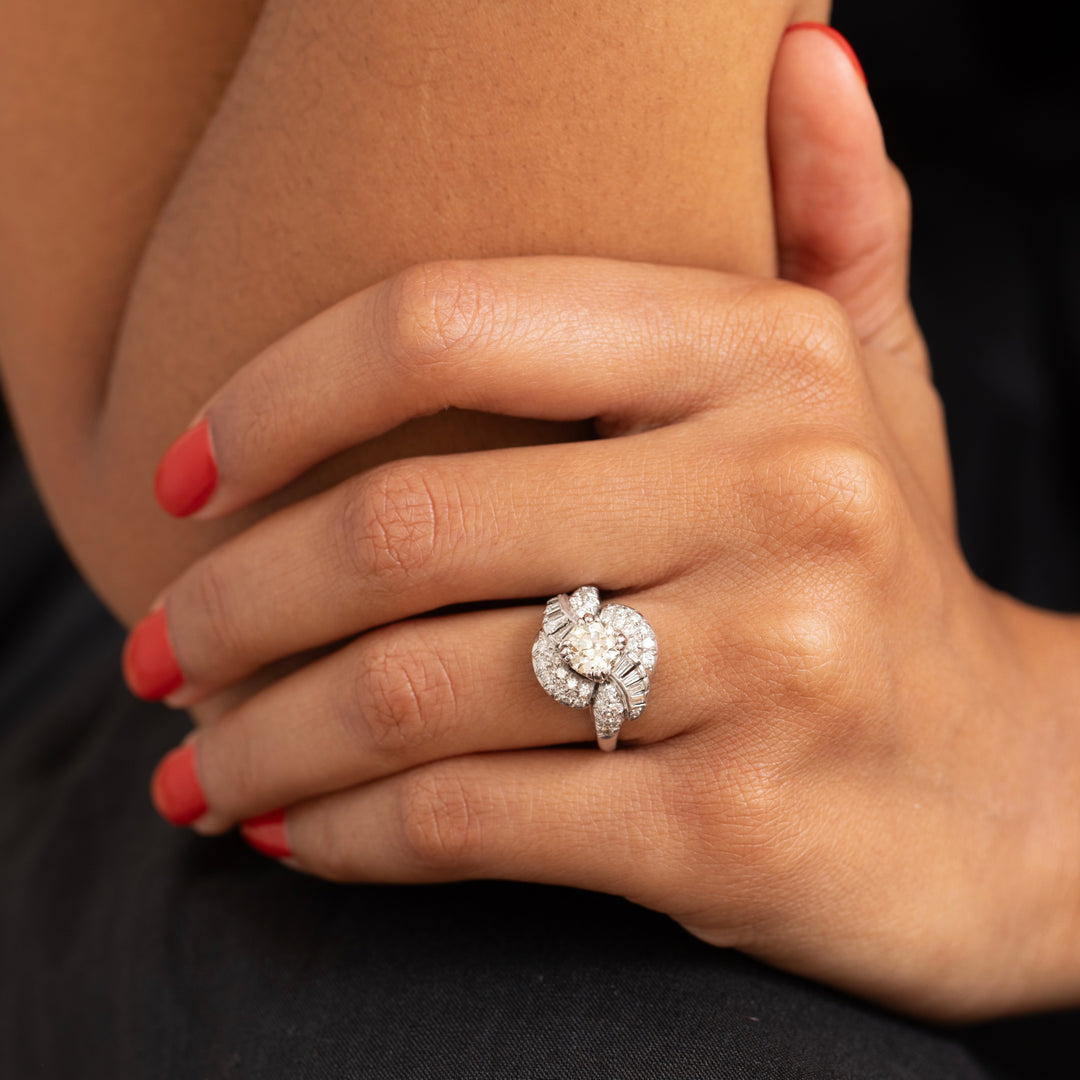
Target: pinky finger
[{"x": 561, "y": 817}]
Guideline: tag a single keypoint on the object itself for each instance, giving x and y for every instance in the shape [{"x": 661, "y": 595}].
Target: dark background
[{"x": 979, "y": 102}]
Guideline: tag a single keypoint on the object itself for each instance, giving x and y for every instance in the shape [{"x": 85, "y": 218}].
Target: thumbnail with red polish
[
  {"x": 267, "y": 834},
  {"x": 839, "y": 38},
  {"x": 175, "y": 788},
  {"x": 150, "y": 666},
  {"x": 187, "y": 474}
]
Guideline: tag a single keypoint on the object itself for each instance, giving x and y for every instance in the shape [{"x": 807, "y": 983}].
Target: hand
[{"x": 848, "y": 767}]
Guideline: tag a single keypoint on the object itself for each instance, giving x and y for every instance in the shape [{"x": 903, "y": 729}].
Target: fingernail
[
  {"x": 839, "y": 38},
  {"x": 150, "y": 666},
  {"x": 175, "y": 788},
  {"x": 187, "y": 474},
  {"x": 267, "y": 834}
]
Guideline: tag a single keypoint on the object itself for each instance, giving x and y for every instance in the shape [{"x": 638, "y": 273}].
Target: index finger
[{"x": 551, "y": 338}]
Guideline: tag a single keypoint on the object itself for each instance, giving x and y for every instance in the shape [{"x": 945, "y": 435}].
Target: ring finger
[{"x": 400, "y": 696}]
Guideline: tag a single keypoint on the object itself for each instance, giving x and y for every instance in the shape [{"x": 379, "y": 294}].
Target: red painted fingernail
[
  {"x": 175, "y": 788},
  {"x": 150, "y": 666},
  {"x": 188, "y": 473},
  {"x": 837, "y": 37},
  {"x": 267, "y": 834}
]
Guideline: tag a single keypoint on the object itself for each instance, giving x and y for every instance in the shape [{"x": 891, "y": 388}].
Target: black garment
[{"x": 132, "y": 950}]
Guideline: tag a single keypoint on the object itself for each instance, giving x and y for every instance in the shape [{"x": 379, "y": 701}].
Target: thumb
[{"x": 842, "y": 209}]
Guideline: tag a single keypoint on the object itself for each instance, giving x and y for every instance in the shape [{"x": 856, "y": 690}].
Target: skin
[
  {"x": 101, "y": 106},
  {"x": 266, "y": 174},
  {"x": 858, "y": 762}
]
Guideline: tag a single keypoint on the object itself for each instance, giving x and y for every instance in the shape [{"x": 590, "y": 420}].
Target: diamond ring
[{"x": 599, "y": 655}]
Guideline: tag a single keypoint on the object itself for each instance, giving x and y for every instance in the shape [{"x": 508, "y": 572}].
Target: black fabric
[{"x": 129, "y": 949}]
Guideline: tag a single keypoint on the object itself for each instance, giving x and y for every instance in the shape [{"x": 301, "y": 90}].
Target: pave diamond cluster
[{"x": 588, "y": 654}]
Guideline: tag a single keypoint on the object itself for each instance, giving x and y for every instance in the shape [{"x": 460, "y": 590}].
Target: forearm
[
  {"x": 356, "y": 141},
  {"x": 101, "y": 105}
]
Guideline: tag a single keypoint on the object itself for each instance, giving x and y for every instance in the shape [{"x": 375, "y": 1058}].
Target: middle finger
[{"x": 416, "y": 535}]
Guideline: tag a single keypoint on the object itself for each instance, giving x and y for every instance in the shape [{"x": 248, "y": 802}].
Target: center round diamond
[{"x": 592, "y": 647}]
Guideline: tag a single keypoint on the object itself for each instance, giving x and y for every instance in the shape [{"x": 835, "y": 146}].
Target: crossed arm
[{"x": 187, "y": 181}]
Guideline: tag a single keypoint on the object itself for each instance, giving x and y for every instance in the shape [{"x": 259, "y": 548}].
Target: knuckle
[
  {"x": 394, "y": 521},
  {"x": 808, "y": 665},
  {"x": 823, "y": 662},
  {"x": 404, "y": 695},
  {"x": 822, "y": 337},
  {"x": 436, "y": 312},
  {"x": 439, "y": 821},
  {"x": 211, "y": 591},
  {"x": 837, "y": 498},
  {"x": 810, "y": 344}
]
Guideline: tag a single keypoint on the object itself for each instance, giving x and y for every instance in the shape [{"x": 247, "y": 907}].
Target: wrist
[
  {"x": 1042, "y": 648},
  {"x": 1046, "y": 644}
]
